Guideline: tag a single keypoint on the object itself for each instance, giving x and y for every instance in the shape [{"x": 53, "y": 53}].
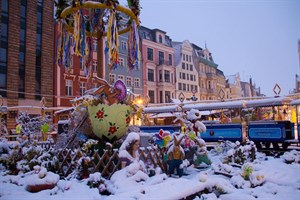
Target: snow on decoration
[
  {"x": 32, "y": 127},
  {"x": 41, "y": 179}
]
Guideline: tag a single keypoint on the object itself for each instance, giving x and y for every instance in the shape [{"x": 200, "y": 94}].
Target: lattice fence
[{"x": 107, "y": 163}]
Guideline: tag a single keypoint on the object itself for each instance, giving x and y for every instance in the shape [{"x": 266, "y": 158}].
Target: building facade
[
  {"x": 211, "y": 79},
  {"x": 26, "y": 61},
  {"x": 158, "y": 65},
  {"x": 186, "y": 72},
  {"x": 233, "y": 88},
  {"x": 74, "y": 80},
  {"x": 132, "y": 78}
]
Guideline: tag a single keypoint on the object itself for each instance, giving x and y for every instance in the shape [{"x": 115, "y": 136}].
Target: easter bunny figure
[{"x": 176, "y": 156}]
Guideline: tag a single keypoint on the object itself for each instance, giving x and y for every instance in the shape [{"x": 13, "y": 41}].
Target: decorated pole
[{"x": 74, "y": 22}]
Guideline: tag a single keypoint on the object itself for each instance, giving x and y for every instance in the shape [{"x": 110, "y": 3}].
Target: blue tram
[{"x": 278, "y": 132}]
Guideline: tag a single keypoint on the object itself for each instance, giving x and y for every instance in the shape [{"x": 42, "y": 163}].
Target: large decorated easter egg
[{"x": 109, "y": 122}]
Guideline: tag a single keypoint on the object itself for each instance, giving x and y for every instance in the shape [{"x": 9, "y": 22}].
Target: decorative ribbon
[
  {"x": 133, "y": 47},
  {"x": 113, "y": 41}
]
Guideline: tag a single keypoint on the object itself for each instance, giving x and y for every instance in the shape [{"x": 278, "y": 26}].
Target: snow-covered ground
[{"x": 271, "y": 178}]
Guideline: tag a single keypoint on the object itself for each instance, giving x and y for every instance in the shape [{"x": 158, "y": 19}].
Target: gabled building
[
  {"x": 246, "y": 89},
  {"x": 186, "y": 71},
  {"x": 233, "y": 87},
  {"x": 158, "y": 65},
  {"x": 211, "y": 79}
]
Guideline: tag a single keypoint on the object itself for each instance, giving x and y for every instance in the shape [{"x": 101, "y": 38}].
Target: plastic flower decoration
[{"x": 162, "y": 138}]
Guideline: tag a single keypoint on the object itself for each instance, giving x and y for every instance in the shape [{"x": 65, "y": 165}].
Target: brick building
[{"x": 26, "y": 58}]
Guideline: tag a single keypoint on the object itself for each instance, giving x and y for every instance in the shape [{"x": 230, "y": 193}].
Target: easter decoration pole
[{"x": 80, "y": 22}]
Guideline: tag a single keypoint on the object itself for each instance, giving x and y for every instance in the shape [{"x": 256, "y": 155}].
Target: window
[
  {"x": 161, "y": 96},
  {"x": 188, "y": 87},
  {"x": 184, "y": 87},
  {"x": 95, "y": 66},
  {"x": 191, "y": 67},
  {"x": 121, "y": 62},
  {"x": 187, "y": 76},
  {"x": 183, "y": 65},
  {"x": 183, "y": 76},
  {"x": 112, "y": 78},
  {"x": 149, "y": 54},
  {"x": 151, "y": 96},
  {"x": 150, "y": 75},
  {"x": 81, "y": 63},
  {"x": 82, "y": 88},
  {"x": 38, "y": 58},
  {"x": 191, "y": 77},
  {"x": 136, "y": 82},
  {"x": 167, "y": 96},
  {"x": 22, "y": 49},
  {"x": 160, "y": 76},
  {"x": 3, "y": 45},
  {"x": 160, "y": 39},
  {"x": 69, "y": 87},
  {"x": 179, "y": 86},
  {"x": 183, "y": 56},
  {"x": 209, "y": 85},
  {"x": 121, "y": 77},
  {"x": 170, "y": 59},
  {"x": 161, "y": 57},
  {"x": 124, "y": 45},
  {"x": 129, "y": 81},
  {"x": 167, "y": 76},
  {"x": 95, "y": 46}
]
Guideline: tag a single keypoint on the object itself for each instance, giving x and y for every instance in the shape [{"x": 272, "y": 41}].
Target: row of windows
[
  {"x": 82, "y": 87},
  {"x": 187, "y": 66},
  {"x": 166, "y": 76},
  {"x": 129, "y": 80},
  {"x": 186, "y": 57},
  {"x": 185, "y": 76},
  {"x": 208, "y": 85},
  {"x": 161, "y": 57},
  {"x": 95, "y": 46},
  {"x": 164, "y": 97},
  {"x": 187, "y": 87},
  {"x": 82, "y": 64},
  {"x": 207, "y": 69}
]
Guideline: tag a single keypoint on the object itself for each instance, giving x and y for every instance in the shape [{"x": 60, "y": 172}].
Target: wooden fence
[{"x": 107, "y": 163}]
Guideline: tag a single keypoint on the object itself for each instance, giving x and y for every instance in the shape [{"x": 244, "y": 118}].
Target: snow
[{"x": 272, "y": 178}]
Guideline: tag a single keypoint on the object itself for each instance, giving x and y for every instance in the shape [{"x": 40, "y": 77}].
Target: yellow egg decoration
[{"x": 109, "y": 122}]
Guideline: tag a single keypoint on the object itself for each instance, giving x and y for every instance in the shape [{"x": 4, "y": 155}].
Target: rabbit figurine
[{"x": 176, "y": 155}]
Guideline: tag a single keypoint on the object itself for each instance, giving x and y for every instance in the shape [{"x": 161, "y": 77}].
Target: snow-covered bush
[
  {"x": 97, "y": 181},
  {"x": 291, "y": 157},
  {"x": 10, "y": 159},
  {"x": 241, "y": 153}
]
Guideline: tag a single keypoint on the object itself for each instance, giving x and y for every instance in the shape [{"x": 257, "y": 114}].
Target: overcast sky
[{"x": 256, "y": 38}]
